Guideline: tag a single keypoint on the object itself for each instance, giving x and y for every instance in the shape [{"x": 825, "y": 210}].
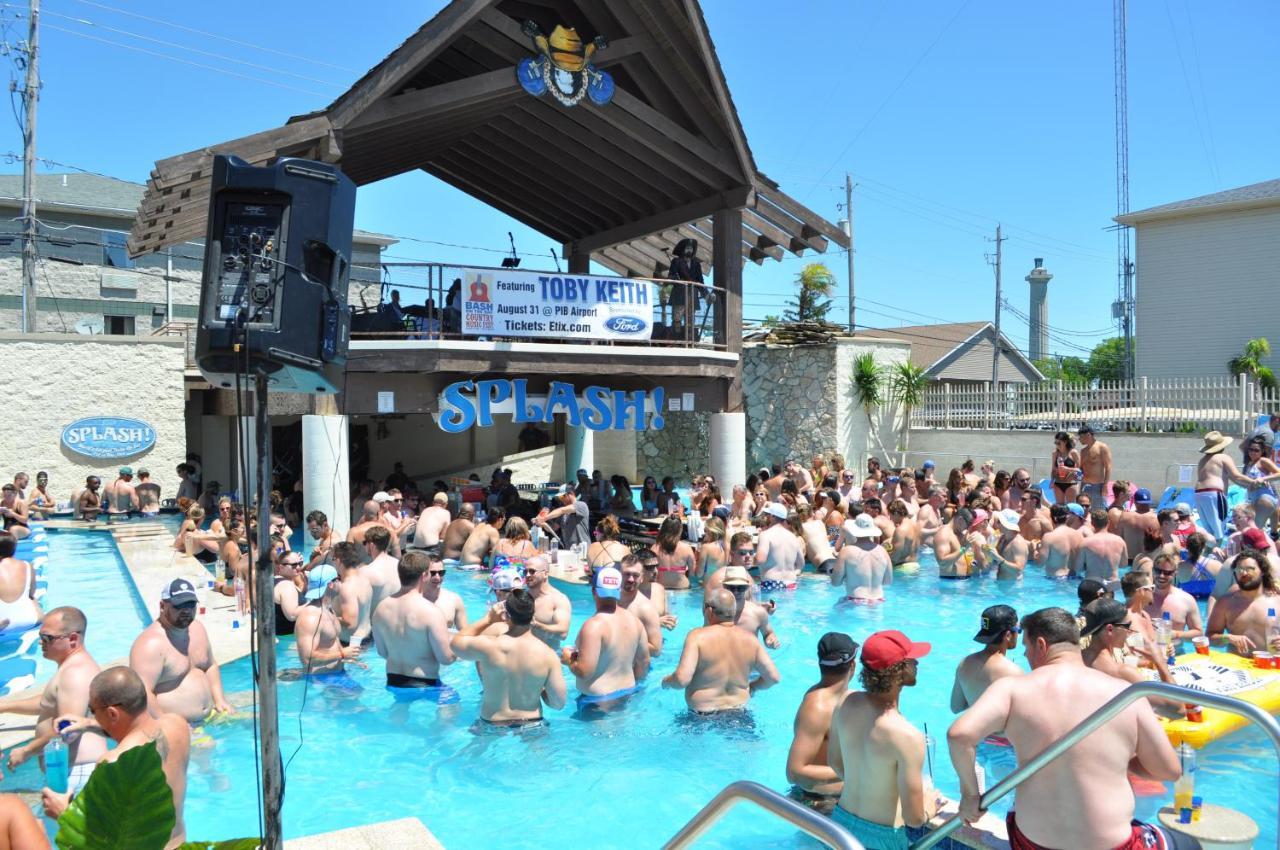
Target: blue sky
[{"x": 951, "y": 115}]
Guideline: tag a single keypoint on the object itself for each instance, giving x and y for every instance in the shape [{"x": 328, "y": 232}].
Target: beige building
[
  {"x": 1207, "y": 268},
  {"x": 960, "y": 353}
]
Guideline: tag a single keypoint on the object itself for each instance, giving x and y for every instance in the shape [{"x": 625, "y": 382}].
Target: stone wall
[
  {"x": 55, "y": 379},
  {"x": 789, "y": 395},
  {"x": 680, "y": 449}
]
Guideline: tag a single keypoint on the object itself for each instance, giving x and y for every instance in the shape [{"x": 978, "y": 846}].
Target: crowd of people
[{"x": 380, "y": 588}]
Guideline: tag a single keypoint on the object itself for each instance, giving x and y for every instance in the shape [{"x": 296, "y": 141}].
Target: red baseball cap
[
  {"x": 885, "y": 649},
  {"x": 1255, "y": 537}
]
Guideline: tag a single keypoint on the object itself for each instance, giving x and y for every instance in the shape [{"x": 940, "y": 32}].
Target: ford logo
[
  {"x": 108, "y": 437},
  {"x": 626, "y": 325}
]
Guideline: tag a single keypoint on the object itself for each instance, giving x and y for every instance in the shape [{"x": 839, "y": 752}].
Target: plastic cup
[
  {"x": 1262, "y": 660},
  {"x": 1195, "y": 714},
  {"x": 1201, "y": 645}
]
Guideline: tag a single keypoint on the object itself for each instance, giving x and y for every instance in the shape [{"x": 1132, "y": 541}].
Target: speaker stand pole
[{"x": 264, "y": 595}]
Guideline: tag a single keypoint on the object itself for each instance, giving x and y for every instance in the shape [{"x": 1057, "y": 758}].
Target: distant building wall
[{"x": 53, "y": 380}]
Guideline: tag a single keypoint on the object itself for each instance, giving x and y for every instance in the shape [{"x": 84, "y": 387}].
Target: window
[
  {"x": 118, "y": 325},
  {"x": 114, "y": 252}
]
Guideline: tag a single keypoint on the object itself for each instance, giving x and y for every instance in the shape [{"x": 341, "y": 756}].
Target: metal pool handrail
[
  {"x": 1114, "y": 706},
  {"x": 803, "y": 818}
]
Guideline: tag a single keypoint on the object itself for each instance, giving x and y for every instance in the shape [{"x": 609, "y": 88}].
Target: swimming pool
[{"x": 632, "y": 779}]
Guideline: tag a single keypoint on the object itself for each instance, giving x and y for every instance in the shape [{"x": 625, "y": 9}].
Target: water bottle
[
  {"x": 220, "y": 570},
  {"x": 1273, "y": 631},
  {"x": 1185, "y": 788},
  {"x": 242, "y": 599},
  {"x": 57, "y": 766},
  {"x": 1166, "y": 628}
]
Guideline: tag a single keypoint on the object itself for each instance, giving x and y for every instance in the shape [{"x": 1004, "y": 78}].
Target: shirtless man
[
  {"x": 878, "y": 753},
  {"x": 1239, "y": 619},
  {"x": 148, "y": 493},
  {"x": 904, "y": 548},
  {"x": 717, "y": 662},
  {"x": 1019, "y": 485},
  {"x": 1059, "y": 549},
  {"x": 1136, "y": 524},
  {"x": 13, "y": 512},
  {"x": 864, "y": 567},
  {"x": 433, "y": 524},
  {"x": 67, "y": 693},
  {"x": 354, "y": 595},
  {"x": 1079, "y": 518},
  {"x": 1138, "y": 590},
  {"x": 1102, "y": 552},
  {"x": 957, "y": 549},
  {"x": 999, "y": 634},
  {"x": 120, "y": 496},
  {"x": 1108, "y": 625},
  {"x": 751, "y": 615},
  {"x": 1212, "y": 472},
  {"x": 653, "y": 589},
  {"x": 370, "y": 518},
  {"x": 519, "y": 672},
  {"x": 173, "y": 658},
  {"x": 483, "y": 539},
  {"x": 1095, "y": 466},
  {"x": 118, "y": 701},
  {"x": 1082, "y": 799},
  {"x": 449, "y": 603},
  {"x": 1034, "y": 520},
  {"x": 411, "y": 633},
  {"x": 779, "y": 553},
  {"x": 381, "y": 571},
  {"x": 316, "y": 630},
  {"x": 319, "y": 530},
  {"x": 1119, "y": 504},
  {"x": 458, "y": 531},
  {"x": 637, "y": 603},
  {"x": 817, "y": 548},
  {"x": 612, "y": 652},
  {"x": 774, "y": 483},
  {"x": 552, "y": 612},
  {"x": 930, "y": 515},
  {"x": 88, "y": 502},
  {"x": 1010, "y": 551},
  {"x": 1184, "y": 613},
  {"x": 814, "y": 781}
]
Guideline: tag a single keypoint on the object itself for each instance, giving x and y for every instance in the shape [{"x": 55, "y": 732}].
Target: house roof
[
  {"x": 1264, "y": 194},
  {"x": 931, "y": 345},
  {"x": 622, "y": 182},
  {"x": 106, "y": 196}
]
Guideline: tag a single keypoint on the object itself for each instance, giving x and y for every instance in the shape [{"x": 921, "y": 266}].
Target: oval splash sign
[{"x": 108, "y": 437}]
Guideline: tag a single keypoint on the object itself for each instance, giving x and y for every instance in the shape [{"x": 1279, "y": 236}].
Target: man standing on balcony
[{"x": 1095, "y": 464}]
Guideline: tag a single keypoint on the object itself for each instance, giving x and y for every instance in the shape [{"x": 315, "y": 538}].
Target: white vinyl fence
[{"x": 1189, "y": 405}]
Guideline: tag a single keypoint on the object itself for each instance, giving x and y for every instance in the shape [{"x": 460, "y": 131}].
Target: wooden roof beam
[
  {"x": 732, "y": 198},
  {"x": 818, "y": 225},
  {"x": 436, "y": 100}
]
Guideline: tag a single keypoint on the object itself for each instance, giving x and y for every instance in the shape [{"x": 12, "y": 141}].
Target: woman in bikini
[
  {"x": 607, "y": 549},
  {"x": 516, "y": 542},
  {"x": 1065, "y": 463},
  {"x": 675, "y": 557},
  {"x": 1198, "y": 572},
  {"x": 711, "y": 551},
  {"x": 1262, "y": 472}
]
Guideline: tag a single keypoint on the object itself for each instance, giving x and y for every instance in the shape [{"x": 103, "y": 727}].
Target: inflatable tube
[
  {"x": 1223, "y": 673},
  {"x": 1046, "y": 492}
]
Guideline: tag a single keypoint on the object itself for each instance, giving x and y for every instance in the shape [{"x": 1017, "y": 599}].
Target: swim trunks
[
  {"x": 1096, "y": 495},
  {"x": 338, "y": 680},
  {"x": 821, "y": 803},
  {"x": 1145, "y": 836},
  {"x": 772, "y": 584},
  {"x": 954, "y": 578},
  {"x": 908, "y": 567},
  {"x": 861, "y": 600},
  {"x": 413, "y": 688},
  {"x": 1211, "y": 503},
  {"x": 874, "y": 836},
  {"x": 526, "y": 725},
  {"x": 598, "y": 700}
]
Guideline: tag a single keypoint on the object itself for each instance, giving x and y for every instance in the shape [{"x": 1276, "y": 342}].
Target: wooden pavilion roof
[{"x": 624, "y": 181}]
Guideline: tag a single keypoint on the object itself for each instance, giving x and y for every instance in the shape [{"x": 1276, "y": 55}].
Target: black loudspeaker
[{"x": 277, "y": 256}]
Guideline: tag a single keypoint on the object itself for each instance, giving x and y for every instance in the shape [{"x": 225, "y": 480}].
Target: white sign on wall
[{"x": 538, "y": 305}]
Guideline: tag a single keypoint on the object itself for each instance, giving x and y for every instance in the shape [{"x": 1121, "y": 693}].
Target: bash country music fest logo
[{"x": 479, "y": 307}]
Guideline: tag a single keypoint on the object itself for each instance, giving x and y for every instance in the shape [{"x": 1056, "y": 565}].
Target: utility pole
[
  {"x": 30, "y": 95},
  {"x": 848, "y": 211},
  {"x": 995, "y": 343}
]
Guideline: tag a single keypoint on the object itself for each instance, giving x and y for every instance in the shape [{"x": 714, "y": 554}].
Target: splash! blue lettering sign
[
  {"x": 108, "y": 437},
  {"x": 468, "y": 404}
]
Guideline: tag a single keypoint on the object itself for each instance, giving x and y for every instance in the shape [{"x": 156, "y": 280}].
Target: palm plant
[
  {"x": 1249, "y": 362},
  {"x": 870, "y": 385},
  {"x": 814, "y": 285},
  {"x": 908, "y": 383}
]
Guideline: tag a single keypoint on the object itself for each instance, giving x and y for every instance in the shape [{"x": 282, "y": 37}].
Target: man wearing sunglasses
[
  {"x": 1108, "y": 625},
  {"x": 639, "y": 604},
  {"x": 67, "y": 693},
  {"x": 551, "y": 608},
  {"x": 998, "y": 633},
  {"x": 412, "y": 635},
  {"x": 1184, "y": 613},
  {"x": 290, "y": 587},
  {"x": 449, "y": 603},
  {"x": 175, "y": 661}
]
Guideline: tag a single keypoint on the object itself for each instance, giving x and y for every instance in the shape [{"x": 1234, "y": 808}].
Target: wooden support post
[{"x": 726, "y": 258}]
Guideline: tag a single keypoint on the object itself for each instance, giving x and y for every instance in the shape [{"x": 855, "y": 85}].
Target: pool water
[{"x": 632, "y": 779}]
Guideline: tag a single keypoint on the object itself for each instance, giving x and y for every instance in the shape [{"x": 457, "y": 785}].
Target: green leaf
[{"x": 126, "y": 805}]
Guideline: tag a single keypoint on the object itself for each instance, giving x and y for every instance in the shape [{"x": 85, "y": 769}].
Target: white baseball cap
[{"x": 776, "y": 509}]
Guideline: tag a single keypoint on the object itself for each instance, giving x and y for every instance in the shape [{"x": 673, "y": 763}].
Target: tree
[
  {"x": 1249, "y": 362},
  {"x": 814, "y": 284},
  {"x": 1069, "y": 370},
  {"x": 908, "y": 383},
  {"x": 1106, "y": 361},
  {"x": 869, "y": 385}
]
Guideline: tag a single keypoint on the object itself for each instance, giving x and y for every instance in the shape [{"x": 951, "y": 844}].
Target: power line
[
  {"x": 214, "y": 35},
  {"x": 213, "y": 68}
]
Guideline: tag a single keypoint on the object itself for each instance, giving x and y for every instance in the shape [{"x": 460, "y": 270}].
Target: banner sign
[
  {"x": 468, "y": 404},
  {"x": 108, "y": 437},
  {"x": 511, "y": 303}
]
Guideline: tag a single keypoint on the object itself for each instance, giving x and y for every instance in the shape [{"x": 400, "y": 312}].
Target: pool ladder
[{"x": 829, "y": 832}]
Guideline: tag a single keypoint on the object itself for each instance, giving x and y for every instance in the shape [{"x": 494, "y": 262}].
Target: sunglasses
[
  {"x": 1165, "y": 572},
  {"x": 436, "y": 572},
  {"x": 1127, "y": 624},
  {"x": 294, "y": 564},
  {"x": 744, "y": 551},
  {"x": 45, "y": 639},
  {"x": 531, "y": 571}
]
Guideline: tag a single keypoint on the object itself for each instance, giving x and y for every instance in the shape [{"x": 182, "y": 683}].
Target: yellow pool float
[{"x": 1221, "y": 673}]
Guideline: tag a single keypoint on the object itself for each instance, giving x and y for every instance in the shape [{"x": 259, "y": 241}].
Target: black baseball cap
[
  {"x": 1089, "y": 590},
  {"x": 178, "y": 592},
  {"x": 996, "y": 622},
  {"x": 836, "y": 648},
  {"x": 1101, "y": 613}
]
